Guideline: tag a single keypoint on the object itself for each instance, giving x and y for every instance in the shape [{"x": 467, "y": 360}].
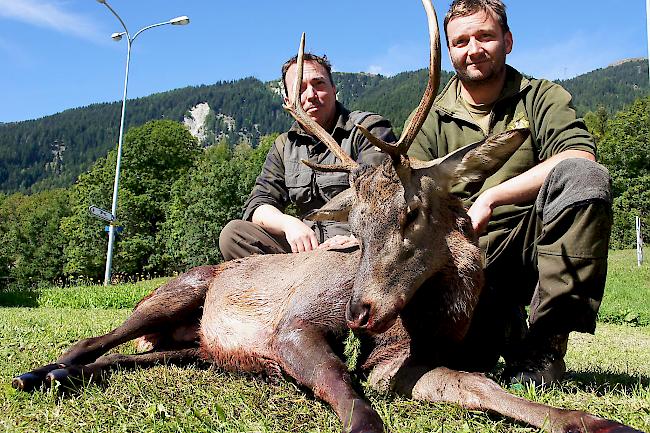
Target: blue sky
[{"x": 57, "y": 54}]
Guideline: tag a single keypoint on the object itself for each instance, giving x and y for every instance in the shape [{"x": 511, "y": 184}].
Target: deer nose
[{"x": 357, "y": 315}]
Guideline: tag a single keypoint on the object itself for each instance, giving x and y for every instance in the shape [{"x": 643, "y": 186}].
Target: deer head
[{"x": 402, "y": 211}]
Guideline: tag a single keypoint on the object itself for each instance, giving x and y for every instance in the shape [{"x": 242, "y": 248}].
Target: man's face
[
  {"x": 478, "y": 47},
  {"x": 317, "y": 93}
]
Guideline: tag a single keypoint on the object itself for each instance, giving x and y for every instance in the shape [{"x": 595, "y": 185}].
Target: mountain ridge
[{"x": 51, "y": 151}]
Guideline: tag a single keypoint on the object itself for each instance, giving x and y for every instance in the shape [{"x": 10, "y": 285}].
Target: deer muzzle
[
  {"x": 357, "y": 315},
  {"x": 364, "y": 317}
]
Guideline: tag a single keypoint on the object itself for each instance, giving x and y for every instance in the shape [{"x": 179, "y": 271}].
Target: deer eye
[{"x": 411, "y": 216}]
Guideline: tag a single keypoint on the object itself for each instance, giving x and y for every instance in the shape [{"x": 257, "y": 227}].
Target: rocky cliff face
[
  {"x": 209, "y": 127},
  {"x": 196, "y": 121}
]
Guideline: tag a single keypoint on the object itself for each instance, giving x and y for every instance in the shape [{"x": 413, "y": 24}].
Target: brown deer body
[{"x": 410, "y": 290}]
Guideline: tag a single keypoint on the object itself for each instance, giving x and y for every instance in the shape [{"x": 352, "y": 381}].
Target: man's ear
[
  {"x": 509, "y": 41},
  {"x": 284, "y": 91},
  {"x": 336, "y": 209}
]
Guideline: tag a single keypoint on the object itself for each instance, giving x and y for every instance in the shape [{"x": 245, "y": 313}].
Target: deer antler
[
  {"x": 412, "y": 128},
  {"x": 298, "y": 113},
  {"x": 414, "y": 125}
]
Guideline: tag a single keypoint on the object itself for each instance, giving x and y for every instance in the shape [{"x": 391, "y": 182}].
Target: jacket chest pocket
[
  {"x": 331, "y": 184},
  {"x": 298, "y": 180}
]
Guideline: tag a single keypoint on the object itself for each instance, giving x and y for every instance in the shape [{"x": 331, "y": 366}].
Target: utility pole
[{"x": 639, "y": 242}]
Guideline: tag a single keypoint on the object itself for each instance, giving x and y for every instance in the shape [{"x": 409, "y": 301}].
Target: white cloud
[
  {"x": 376, "y": 69},
  {"x": 49, "y": 14},
  {"x": 399, "y": 58}
]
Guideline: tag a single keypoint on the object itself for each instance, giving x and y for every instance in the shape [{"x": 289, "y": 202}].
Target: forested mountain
[
  {"x": 613, "y": 87},
  {"x": 396, "y": 97},
  {"x": 52, "y": 151},
  {"x": 40, "y": 154}
]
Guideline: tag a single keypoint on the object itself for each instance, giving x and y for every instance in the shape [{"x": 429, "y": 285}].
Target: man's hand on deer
[
  {"x": 480, "y": 213},
  {"x": 339, "y": 241},
  {"x": 299, "y": 235}
]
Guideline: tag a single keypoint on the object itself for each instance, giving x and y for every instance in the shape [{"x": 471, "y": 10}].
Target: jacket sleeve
[
  {"x": 381, "y": 128},
  {"x": 270, "y": 187},
  {"x": 556, "y": 126}
]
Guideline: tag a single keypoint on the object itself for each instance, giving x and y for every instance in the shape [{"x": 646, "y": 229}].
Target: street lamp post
[
  {"x": 182, "y": 20},
  {"x": 647, "y": 18}
]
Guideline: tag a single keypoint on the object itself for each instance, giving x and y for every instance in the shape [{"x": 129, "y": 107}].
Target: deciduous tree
[
  {"x": 32, "y": 242},
  {"x": 206, "y": 199},
  {"x": 625, "y": 151},
  {"x": 155, "y": 156}
]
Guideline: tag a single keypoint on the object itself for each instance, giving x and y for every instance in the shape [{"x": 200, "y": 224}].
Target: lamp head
[
  {"x": 117, "y": 36},
  {"x": 179, "y": 21},
  {"x": 101, "y": 1}
]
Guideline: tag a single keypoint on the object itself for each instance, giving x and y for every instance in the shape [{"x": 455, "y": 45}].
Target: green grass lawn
[
  {"x": 627, "y": 294},
  {"x": 609, "y": 374}
]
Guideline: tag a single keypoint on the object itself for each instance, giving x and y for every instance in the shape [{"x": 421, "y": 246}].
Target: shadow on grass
[
  {"x": 19, "y": 298},
  {"x": 602, "y": 383},
  {"x": 599, "y": 383}
]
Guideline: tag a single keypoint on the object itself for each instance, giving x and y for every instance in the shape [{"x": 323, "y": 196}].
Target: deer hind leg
[
  {"x": 175, "y": 304},
  {"x": 474, "y": 391},
  {"x": 96, "y": 371},
  {"x": 306, "y": 355}
]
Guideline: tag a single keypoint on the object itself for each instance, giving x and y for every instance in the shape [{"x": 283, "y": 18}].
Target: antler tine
[
  {"x": 426, "y": 103},
  {"x": 298, "y": 113},
  {"x": 414, "y": 125},
  {"x": 327, "y": 167}
]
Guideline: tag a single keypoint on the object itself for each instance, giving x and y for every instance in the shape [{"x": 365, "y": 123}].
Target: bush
[
  {"x": 205, "y": 200},
  {"x": 625, "y": 151}
]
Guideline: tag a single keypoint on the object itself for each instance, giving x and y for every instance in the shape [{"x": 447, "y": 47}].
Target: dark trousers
[
  {"x": 553, "y": 260},
  {"x": 243, "y": 238}
]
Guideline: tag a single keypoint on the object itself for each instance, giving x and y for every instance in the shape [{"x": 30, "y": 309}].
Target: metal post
[
  {"x": 647, "y": 18},
  {"x": 118, "y": 165},
  {"x": 639, "y": 242},
  {"x": 182, "y": 20}
]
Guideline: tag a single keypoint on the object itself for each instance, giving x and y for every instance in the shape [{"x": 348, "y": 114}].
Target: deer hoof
[
  {"x": 34, "y": 379},
  {"x": 71, "y": 376},
  {"x": 27, "y": 382},
  {"x": 614, "y": 427},
  {"x": 60, "y": 375},
  {"x": 592, "y": 424},
  {"x": 366, "y": 430},
  {"x": 364, "y": 420}
]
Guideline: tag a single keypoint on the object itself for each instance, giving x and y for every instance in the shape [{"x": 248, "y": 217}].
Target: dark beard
[{"x": 470, "y": 81}]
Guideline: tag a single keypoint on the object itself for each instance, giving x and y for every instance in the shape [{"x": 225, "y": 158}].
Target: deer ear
[
  {"x": 480, "y": 160},
  {"x": 336, "y": 209}
]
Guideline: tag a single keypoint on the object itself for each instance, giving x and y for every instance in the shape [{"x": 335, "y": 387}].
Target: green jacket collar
[{"x": 445, "y": 103}]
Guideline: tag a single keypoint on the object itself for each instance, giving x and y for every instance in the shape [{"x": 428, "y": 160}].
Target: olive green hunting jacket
[
  {"x": 553, "y": 124},
  {"x": 285, "y": 179}
]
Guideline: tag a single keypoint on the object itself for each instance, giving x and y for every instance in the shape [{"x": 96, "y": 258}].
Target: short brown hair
[
  {"x": 463, "y": 8},
  {"x": 321, "y": 60}
]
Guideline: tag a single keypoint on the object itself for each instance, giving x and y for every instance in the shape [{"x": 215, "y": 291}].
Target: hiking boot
[{"x": 541, "y": 361}]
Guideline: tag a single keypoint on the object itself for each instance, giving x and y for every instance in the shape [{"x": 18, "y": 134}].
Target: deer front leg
[
  {"x": 306, "y": 356},
  {"x": 474, "y": 391},
  {"x": 94, "y": 372},
  {"x": 168, "y": 307}
]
